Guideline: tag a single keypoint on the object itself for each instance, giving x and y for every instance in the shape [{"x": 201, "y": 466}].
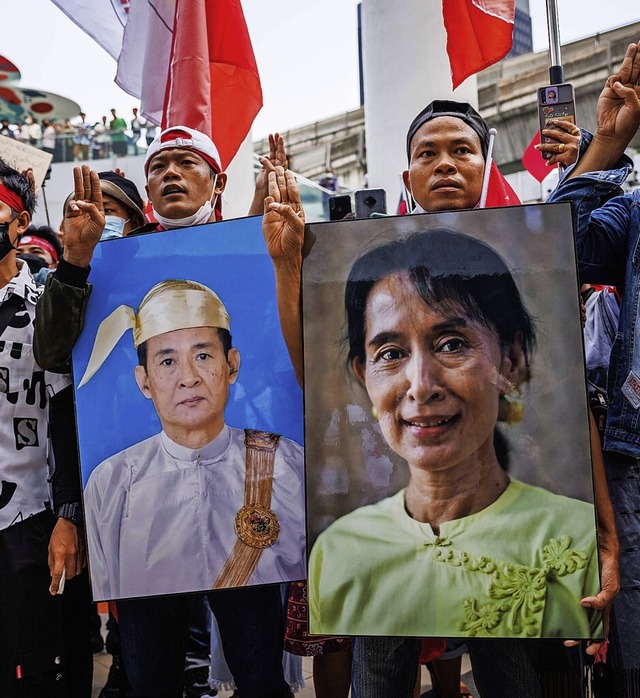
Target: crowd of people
[
  {"x": 45, "y": 636},
  {"x": 77, "y": 140}
]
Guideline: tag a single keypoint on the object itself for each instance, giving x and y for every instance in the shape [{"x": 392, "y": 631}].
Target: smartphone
[
  {"x": 370, "y": 201},
  {"x": 339, "y": 206},
  {"x": 555, "y": 102}
]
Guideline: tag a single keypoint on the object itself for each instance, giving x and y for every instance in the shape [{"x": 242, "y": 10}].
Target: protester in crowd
[
  {"x": 34, "y": 132},
  {"x": 119, "y": 139},
  {"x": 64, "y": 142},
  {"x": 48, "y": 136},
  {"x": 6, "y": 130},
  {"x": 123, "y": 205},
  {"x": 447, "y": 145},
  {"x": 22, "y": 132},
  {"x": 184, "y": 184},
  {"x": 82, "y": 139},
  {"x": 329, "y": 182},
  {"x": 331, "y": 655},
  {"x": 100, "y": 139},
  {"x": 607, "y": 226},
  {"x": 39, "y": 548},
  {"x": 150, "y": 133},
  {"x": 41, "y": 249},
  {"x": 136, "y": 129}
]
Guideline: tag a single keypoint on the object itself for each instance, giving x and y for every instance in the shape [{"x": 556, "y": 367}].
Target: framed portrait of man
[
  {"x": 448, "y": 456},
  {"x": 189, "y": 416}
]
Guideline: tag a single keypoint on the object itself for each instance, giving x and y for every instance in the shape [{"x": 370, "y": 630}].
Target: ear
[
  {"x": 233, "y": 360},
  {"x": 514, "y": 362},
  {"x": 23, "y": 219},
  {"x": 358, "y": 370},
  {"x": 407, "y": 182},
  {"x": 221, "y": 183},
  {"x": 143, "y": 381},
  {"x": 146, "y": 188}
]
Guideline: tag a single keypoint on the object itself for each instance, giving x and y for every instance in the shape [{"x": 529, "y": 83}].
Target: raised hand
[
  {"x": 283, "y": 230},
  {"x": 283, "y": 221},
  {"x": 277, "y": 157},
  {"x": 618, "y": 109},
  {"x": 83, "y": 221}
]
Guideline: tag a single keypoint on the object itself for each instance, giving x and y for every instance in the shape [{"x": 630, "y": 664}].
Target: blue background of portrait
[{"x": 231, "y": 258}]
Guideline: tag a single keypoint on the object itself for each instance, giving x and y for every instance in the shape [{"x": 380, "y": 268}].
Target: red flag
[
  {"x": 213, "y": 83},
  {"x": 479, "y": 34},
  {"x": 499, "y": 192},
  {"x": 190, "y": 62},
  {"x": 533, "y": 161}
]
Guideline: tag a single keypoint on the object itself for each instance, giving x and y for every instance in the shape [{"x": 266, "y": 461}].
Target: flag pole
[
  {"x": 556, "y": 71},
  {"x": 487, "y": 168}
]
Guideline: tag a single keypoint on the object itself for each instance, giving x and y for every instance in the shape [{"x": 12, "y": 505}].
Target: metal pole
[
  {"x": 556, "y": 71},
  {"x": 46, "y": 208}
]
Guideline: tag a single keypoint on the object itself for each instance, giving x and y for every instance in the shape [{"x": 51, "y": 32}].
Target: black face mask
[{"x": 5, "y": 241}]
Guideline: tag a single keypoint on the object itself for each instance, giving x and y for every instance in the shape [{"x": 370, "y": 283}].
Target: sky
[{"x": 306, "y": 52}]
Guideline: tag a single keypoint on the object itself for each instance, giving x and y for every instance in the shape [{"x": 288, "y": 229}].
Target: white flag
[{"x": 103, "y": 20}]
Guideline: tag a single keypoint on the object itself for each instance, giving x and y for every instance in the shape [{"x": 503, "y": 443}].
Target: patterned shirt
[{"x": 25, "y": 390}]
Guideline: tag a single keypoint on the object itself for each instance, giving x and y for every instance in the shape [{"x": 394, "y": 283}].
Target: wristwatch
[{"x": 71, "y": 511}]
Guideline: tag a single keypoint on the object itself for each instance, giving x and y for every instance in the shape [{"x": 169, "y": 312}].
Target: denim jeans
[
  {"x": 153, "y": 636},
  {"x": 623, "y": 658}
]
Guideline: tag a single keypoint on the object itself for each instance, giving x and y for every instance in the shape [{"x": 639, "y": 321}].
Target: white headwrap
[{"x": 175, "y": 304}]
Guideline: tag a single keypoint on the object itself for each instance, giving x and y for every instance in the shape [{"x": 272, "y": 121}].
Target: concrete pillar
[{"x": 405, "y": 66}]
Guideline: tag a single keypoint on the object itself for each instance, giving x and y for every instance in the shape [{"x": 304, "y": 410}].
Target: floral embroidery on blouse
[{"x": 516, "y": 593}]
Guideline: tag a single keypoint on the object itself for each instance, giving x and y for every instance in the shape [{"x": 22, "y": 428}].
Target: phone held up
[
  {"x": 555, "y": 102},
  {"x": 370, "y": 202}
]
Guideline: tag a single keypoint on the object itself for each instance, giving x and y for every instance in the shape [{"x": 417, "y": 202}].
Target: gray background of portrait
[{"x": 348, "y": 463}]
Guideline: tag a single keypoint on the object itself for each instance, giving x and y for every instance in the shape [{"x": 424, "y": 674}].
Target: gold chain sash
[{"x": 257, "y": 527}]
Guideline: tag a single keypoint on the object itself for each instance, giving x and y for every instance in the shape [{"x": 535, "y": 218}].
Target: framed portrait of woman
[{"x": 448, "y": 461}]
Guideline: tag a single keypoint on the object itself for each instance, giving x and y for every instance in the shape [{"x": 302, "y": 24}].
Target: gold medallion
[{"x": 257, "y": 526}]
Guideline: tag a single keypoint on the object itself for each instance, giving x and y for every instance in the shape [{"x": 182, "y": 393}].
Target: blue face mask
[{"x": 113, "y": 227}]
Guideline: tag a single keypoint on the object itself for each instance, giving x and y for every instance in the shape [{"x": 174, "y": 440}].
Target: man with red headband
[
  {"x": 36, "y": 549},
  {"x": 184, "y": 185},
  {"x": 42, "y": 243}
]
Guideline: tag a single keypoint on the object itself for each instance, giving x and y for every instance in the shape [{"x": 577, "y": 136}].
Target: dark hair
[
  {"x": 447, "y": 269},
  {"x": 18, "y": 183},
  {"x": 450, "y": 270},
  {"x": 224, "y": 335}
]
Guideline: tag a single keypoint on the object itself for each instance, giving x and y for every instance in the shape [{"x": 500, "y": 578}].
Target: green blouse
[{"x": 516, "y": 569}]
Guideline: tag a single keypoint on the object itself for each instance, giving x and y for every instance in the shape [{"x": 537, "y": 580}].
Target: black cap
[
  {"x": 122, "y": 189},
  {"x": 448, "y": 107}
]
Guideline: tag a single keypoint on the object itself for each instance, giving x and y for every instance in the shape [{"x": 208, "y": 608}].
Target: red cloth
[
  {"x": 499, "y": 192},
  {"x": 190, "y": 62},
  {"x": 430, "y": 649},
  {"x": 533, "y": 161},
  {"x": 212, "y": 83},
  {"x": 479, "y": 34}
]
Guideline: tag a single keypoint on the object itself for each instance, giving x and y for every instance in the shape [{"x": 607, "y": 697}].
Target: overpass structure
[{"x": 506, "y": 99}]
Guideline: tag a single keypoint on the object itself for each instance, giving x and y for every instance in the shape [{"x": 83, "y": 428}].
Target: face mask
[
  {"x": 113, "y": 227},
  {"x": 202, "y": 215},
  {"x": 5, "y": 241}
]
